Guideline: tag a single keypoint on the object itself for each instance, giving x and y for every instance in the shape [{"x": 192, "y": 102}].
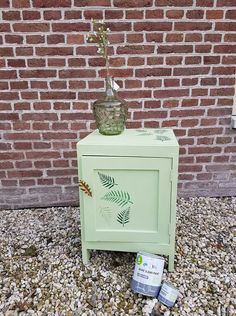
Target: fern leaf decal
[
  {"x": 160, "y": 131},
  {"x": 85, "y": 187},
  {"x": 119, "y": 197},
  {"x": 107, "y": 181},
  {"x": 162, "y": 138},
  {"x": 123, "y": 216}
]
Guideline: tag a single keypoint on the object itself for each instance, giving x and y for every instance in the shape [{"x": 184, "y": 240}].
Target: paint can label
[
  {"x": 147, "y": 274},
  {"x": 168, "y": 294}
]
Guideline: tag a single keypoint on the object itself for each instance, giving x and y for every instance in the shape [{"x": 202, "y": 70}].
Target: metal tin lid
[{"x": 150, "y": 255}]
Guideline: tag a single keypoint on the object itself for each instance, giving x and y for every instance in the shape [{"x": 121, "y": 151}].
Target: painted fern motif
[
  {"x": 106, "y": 180},
  {"x": 162, "y": 138},
  {"x": 123, "y": 216},
  {"x": 85, "y": 187},
  {"x": 160, "y": 131},
  {"x": 119, "y": 197}
]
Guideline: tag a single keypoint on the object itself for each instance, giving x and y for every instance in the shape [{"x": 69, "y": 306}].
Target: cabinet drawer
[{"x": 130, "y": 199}]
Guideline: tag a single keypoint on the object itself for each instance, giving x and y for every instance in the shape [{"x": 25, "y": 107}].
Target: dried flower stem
[{"x": 100, "y": 37}]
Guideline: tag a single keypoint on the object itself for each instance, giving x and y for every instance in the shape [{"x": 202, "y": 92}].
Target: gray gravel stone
[{"x": 41, "y": 270}]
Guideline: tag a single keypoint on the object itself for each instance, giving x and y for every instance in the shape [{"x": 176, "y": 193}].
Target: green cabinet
[{"x": 128, "y": 191}]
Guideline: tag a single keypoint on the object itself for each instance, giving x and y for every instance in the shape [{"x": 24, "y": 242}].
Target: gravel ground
[{"x": 41, "y": 272}]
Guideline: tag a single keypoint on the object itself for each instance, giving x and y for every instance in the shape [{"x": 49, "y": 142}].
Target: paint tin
[
  {"x": 147, "y": 274},
  {"x": 168, "y": 294}
]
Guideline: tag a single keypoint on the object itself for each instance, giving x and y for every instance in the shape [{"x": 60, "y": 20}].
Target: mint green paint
[{"x": 133, "y": 177}]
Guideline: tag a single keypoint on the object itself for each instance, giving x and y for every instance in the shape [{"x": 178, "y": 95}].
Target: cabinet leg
[
  {"x": 171, "y": 263},
  {"x": 85, "y": 255}
]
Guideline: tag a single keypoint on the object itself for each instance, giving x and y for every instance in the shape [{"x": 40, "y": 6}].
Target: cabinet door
[{"x": 130, "y": 199}]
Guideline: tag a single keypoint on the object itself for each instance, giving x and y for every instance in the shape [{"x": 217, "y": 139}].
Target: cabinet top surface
[{"x": 133, "y": 137}]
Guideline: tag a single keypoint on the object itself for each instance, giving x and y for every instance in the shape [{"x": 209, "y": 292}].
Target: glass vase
[{"x": 110, "y": 111}]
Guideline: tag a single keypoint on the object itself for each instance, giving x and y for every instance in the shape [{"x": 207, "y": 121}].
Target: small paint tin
[
  {"x": 168, "y": 294},
  {"x": 147, "y": 274}
]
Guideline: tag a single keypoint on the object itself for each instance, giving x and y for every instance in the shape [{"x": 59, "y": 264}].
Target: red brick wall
[{"x": 175, "y": 63}]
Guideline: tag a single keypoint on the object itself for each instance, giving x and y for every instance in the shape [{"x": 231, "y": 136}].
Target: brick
[
  {"x": 70, "y": 27},
  {"x": 154, "y": 37},
  {"x": 189, "y": 168},
  {"x": 77, "y": 84},
  {"x": 189, "y": 122},
  {"x": 215, "y": 14},
  {"x": 154, "y": 14},
  {"x": 193, "y": 60},
  {"x": 205, "y": 141},
  {"x": 9, "y": 183},
  {"x": 54, "y": 51},
  {"x": 56, "y": 62},
  {"x": 171, "y": 93},
  {"x": 170, "y": 103},
  {"x": 187, "y": 113},
  {"x": 153, "y": 83},
  {"x": 6, "y": 51},
  {"x": 9, "y": 96},
  {"x": 75, "y": 39},
  {"x": 211, "y": 60},
  {"x": 204, "y": 176},
  {"x": 39, "y": 84},
  {"x": 152, "y": 26},
  {"x": 174, "y": 14},
  {"x": 174, "y": 37},
  {"x": 225, "y": 3},
  {"x": 134, "y": 14},
  {"x": 229, "y": 60},
  {"x": 150, "y": 72},
  {"x": 222, "y": 91},
  {"x": 77, "y": 73},
  {"x": 73, "y": 15},
  {"x": 4, "y": 85},
  {"x": 51, "y": 3},
  {"x": 225, "y": 26},
  {"x": 40, "y": 126},
  {"x": 227, "y": 81},
  {"x": 195, "y": 14},
  {"x": 24, "y": 51},
  {"x": 40, "y": 116},
  {"x": 225, "y": 49},
  {"x": 174, "y": 60},
  {"x": 152, "y": 104},
  {"x": 52, "y": 15},
  {"x": 12, "y": 156},
  {"x": 169, "y": 49},
  {"x": 8, "y": 74},
  {"x": 55, "y": 39},
  {"x": 42, "y": 155},
  {"x": 19, "y": 85},
  {"x": 22, "y": 146},
  {"x": 223, "y": 70},
  {"x": 132, "y": 3},
  {"x": 203, "y": 48},
  {"x": 208, "y": 122},
  {"x": 58, "y": 84},
  {"x": 231, "y": 14},
  {"x": 31, "y": 15},
  {"x": 11, "y": 39},
  {"x": 135, "y": 61},
  {"x": 199, "y": 92},
  {"x": 154, "y": 60},
  {"x": 109, "y": 14},
  {"x": 11, "y": 15},
  {"x": 36, "y": 62},
  {"x": 35, "y": 39},
  {"x": 171, "y": 82},
  {"x": 194, "y": 37},
  {"x": 174, "y": 3},
  {"x": 91, "y": 3},
  {"x": 31, "y": 27},
  {"x": 57, "y": 95},
  {"x": 25, "y": 174},
  {"x": 203, "y": 150},
  {"x": 21, "y": 3},
  {"x": 205, "y": 3},
  {"x": 149, "y": 114},
  {"x": 230, "y": 37},
  {"x": 193, "y": 26},
  {"x": 5, "y": 27},
  {"x": 5, "y": 4},
  {"x": 135, "y": 38},
  {"x": 191, "y": 71},
  {"x": 219, "y": 112},
  {"x": 205, "y": 131},
  {"x": 37, "y": 73},
  {"x": 208, "y": 81},
  {"x": 212, "y": 38}
]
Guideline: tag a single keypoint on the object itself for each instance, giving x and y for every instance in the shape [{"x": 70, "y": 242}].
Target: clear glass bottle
[{"x": 110, "y": 112}]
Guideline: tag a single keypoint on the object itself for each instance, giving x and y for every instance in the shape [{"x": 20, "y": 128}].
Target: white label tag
[{"x": 115, "y": 86}]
